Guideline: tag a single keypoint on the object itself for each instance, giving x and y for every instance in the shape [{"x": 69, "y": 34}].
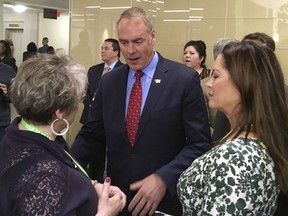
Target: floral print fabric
[{"x": 235, "y": 178}]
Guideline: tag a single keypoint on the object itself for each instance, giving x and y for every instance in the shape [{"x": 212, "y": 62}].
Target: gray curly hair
[{"x": 46, "y": 83}]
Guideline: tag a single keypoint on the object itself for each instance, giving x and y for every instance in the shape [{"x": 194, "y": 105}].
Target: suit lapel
[
  {"x": 158, "y": 84},
  {"x": 121, "y": 101}
]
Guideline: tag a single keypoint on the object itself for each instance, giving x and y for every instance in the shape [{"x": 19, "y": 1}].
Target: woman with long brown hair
[{"x": 244, "y": 173}]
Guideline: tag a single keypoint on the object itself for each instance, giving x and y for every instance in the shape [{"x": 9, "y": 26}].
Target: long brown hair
[{"x": 258, "y": 76}]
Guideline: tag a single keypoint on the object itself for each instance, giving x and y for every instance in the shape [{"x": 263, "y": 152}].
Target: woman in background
[
  {"x": 245, "y": 172},
  {"x": 38, "y": 176},
  {"x": 194, "y": 56},
  {"x": 6, "y": 56}
]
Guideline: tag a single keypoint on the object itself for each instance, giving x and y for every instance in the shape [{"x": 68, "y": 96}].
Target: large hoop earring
[{"x": 64, "y": 131}]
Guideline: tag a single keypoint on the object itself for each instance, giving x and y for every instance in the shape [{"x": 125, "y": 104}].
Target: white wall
[
  {"x": 57, "y": 31},
  {"x": 27, "y": 29},
  {"x": 35, "y": 27},
  {"x": 1, "y": 19}
]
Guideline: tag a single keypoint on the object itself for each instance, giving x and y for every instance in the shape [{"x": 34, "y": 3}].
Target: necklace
[{"x": 34, "y": 129}]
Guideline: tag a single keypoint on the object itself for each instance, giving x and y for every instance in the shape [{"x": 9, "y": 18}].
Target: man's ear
[{"x": 153, "y": 36}]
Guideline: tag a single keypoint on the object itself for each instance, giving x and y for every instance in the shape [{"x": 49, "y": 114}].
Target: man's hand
[{"x": 151, "y": 191}]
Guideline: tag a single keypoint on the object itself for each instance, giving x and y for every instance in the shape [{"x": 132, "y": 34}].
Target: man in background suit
[
  {"x": 43, "y": 49},
  {"x": 110, "y": 53},
  {"x": 173, "y": 129}
]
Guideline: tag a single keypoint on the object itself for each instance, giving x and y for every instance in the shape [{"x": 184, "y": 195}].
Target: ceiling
[{"x": 38, "y": 5}]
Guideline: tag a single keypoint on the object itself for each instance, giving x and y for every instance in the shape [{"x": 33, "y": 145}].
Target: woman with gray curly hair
[{"x": 38, "y": 176}]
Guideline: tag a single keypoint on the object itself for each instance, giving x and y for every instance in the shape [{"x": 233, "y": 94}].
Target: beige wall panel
[
  {"x": 247, "y": 9},
  {"x": 211, "y": 9},
  {"x": 282, "y": 57}
]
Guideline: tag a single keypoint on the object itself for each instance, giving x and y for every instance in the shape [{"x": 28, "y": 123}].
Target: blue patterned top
[{"x": 235, "y": 178}]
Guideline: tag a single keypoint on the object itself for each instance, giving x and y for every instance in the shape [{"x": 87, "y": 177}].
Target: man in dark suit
[
  {"x": 43, "y": 49},
  {"x": 173, "y": 129},
  {"x": 110, "y": 53}
]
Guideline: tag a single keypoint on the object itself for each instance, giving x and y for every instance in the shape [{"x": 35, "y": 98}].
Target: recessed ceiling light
[{"x": 19, "y": 8}]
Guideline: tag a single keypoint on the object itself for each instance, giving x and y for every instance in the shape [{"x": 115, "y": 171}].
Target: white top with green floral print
[{"x": 235, "y": 178}]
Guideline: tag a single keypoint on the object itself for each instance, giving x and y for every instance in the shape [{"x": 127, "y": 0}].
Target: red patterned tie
[{"x": 134, "y": 108}]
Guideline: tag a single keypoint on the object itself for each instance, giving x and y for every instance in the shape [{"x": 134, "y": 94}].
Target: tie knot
[
  {"x": 106, "y": 69},
  {"x": 139, "y": 74}
]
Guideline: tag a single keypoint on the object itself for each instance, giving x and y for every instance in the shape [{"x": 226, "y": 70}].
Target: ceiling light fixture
[{"x": 19, "y": 8}]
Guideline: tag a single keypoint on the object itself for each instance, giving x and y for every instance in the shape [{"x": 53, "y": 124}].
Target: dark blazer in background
[
  {"x": 97, "y": 164},
  {"x": 11, "y": 62},
  {"x": 173, "y": 130},
  {"x": 94, "y": 76}
]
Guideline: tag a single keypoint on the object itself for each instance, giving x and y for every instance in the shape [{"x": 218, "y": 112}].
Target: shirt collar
[
  {"x": 112, "y": 65},
  {"x": 151, "y": 67}
]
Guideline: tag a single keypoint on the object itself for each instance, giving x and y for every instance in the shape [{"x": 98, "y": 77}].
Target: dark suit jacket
[
  {"x": 27, "y": 55},
  {"x": 43, "y": 49},
  {"x": 10, "y": 61},
  {"x": 173, "y": 130},
  {"x": 94, "y": 77},
  {"x": 7, "y": 73}
]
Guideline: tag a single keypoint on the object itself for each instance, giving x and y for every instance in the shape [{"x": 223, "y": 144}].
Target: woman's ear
[
  {"x": 201, "y": 59},
  {"x": 59, "y": 114}
]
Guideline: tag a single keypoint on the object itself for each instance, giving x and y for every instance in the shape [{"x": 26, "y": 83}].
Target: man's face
[
  {"x": 107, "y": 53},
  {"x": 44, "y": 41},
  {"x": 136, "y": 43}
]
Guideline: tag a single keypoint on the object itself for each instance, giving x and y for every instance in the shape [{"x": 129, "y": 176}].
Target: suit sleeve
[
  {"x": 90, "y": 142},
  {"x": 197, "y": 131},
  {"x": 88, "y": 98}
]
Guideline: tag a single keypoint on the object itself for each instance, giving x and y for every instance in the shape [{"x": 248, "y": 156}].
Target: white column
[{"x": 1, "y": 20}]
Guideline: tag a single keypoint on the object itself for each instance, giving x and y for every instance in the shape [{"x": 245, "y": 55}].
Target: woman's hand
[
  {"x": 111, "y": 199},
  {"x": 3, "y": 87}
]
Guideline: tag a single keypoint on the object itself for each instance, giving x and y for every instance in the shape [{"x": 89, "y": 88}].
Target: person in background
[
  {"x": 60, "y": 52},
  {"x": 11, "y": 44},
  {"x": 6, "y": 75},
  {"x": 110, "y": 54},
  {"x": 38, "y": 176},
  {"x": 261, "y": 39},
  {"x": 220, "y": 44},
  {"x": 50, "y": 50},
  {"x": 6, "y": 55},
  {"x": 244, "y": 173},
  {"x": 44, "y": 47},
  {"x": 194, "y": 56},
  {"x": 31, "y": 51},
  {"x": 150, "y": 116}
]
